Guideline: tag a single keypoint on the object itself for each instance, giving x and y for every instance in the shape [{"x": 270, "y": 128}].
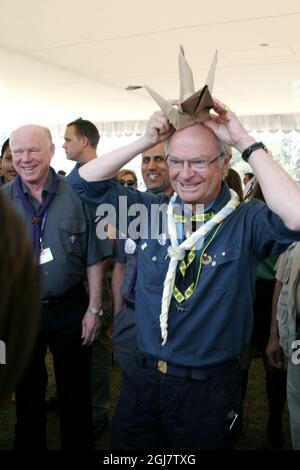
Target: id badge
[{"x": 46, "y": 256}]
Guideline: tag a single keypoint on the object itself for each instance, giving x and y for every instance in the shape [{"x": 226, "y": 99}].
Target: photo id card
[{"x": 46, "y": 256}]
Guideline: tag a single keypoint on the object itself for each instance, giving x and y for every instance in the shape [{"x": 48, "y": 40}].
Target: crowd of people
[{"x": 179, "y": 306}]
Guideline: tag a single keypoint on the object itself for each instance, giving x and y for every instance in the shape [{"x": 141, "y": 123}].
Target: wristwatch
[
  {"x": 249, "y": 150},
  {"x": 96, "y": 311}
]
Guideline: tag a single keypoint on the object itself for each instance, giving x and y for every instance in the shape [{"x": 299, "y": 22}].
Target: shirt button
[
  {"x": 153, "y": 258},
  {"x": 223, "y": 253},
  {"x": 213, "y": 263}
]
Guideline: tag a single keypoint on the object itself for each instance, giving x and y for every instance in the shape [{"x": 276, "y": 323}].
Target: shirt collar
[
  {"x": 46, "y": 187},
  {"x": 215, "y": 205}
]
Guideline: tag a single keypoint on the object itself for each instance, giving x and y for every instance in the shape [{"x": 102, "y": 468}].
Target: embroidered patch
[
  {"x": 162, "y": 238},
  {"x": 130, "y": 246}
]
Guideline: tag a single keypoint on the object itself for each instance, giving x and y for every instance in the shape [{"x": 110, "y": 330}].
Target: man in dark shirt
[
  {"x": 67, "y": 250},
  {"x": 81, "y": 141},
  {"x": 194, "y": 291}
]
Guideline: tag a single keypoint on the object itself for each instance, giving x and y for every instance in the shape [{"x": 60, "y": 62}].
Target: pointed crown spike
[
  {"x": 186, "y": 80},
  {"x": 193, "y": 106}
]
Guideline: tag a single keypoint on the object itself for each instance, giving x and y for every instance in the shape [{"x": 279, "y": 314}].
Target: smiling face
[
  {"x": 155, "y": 170},
  {"x": 32, "y": 151},
  {"x": 8, "y": 171},
  {"x": 196, "y": 186}
]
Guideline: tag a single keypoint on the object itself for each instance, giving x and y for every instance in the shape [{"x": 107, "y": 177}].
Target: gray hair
[{"x": 225, "y": 150}]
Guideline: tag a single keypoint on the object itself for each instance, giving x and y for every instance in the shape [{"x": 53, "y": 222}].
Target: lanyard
[{"x": 43, "y": 229}]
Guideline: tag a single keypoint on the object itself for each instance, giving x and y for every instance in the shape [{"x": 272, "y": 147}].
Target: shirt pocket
[
  {"x": 154, "y": 261},
  {"x": 72, "y": 235},
  {"x": 221, "y": 268},
  {"x": 220, "y": 259}
]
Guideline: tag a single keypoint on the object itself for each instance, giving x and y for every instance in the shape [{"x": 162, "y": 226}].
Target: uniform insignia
[
  {"x": 206, "y": 259},
  {"x": 130, "y": 246},
  {"x": 162, "y": 237}
]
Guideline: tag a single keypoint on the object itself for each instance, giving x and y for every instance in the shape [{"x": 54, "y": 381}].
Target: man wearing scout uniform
[{"x": 194, "y": 293}]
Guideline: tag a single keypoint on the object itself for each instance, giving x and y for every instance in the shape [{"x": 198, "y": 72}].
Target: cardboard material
[{"x": 193, "y": 106}]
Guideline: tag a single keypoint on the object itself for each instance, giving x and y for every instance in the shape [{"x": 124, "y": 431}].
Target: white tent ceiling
[{"x": 60, "y": 60}]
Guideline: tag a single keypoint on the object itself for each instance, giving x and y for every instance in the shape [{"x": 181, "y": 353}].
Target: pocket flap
[{"x": 72, "y": 225}]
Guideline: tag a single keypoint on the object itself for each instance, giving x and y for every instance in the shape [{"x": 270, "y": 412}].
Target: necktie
[
  {"x": 37, "y": 216},
  {"x": 177, "y": 252},
  {"x": 185, "y": 281}
]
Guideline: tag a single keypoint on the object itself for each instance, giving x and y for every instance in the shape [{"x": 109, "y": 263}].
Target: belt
[
  {"x": 51, "y": 300},
  {"x": 195, "y": 373}
]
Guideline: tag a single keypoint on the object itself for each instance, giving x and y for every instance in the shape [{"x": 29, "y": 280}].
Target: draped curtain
[{"x": 258, "y": 123}]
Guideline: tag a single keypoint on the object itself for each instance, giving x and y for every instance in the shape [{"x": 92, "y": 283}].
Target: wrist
[
  {"x": 98, "y": 311},
  {"x": 146, "y": 142},
  {"x": 246, "y": 154},
  {"x": 274, "y": 337},
  {"x": 244, "y": 143}
]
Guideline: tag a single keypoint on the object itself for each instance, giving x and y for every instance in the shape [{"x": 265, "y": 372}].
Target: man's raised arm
[
  {"x": 107, "y": 166},
  {"x": 280, "y": 191}
]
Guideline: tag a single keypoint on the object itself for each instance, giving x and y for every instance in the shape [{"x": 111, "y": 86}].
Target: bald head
[
  {"x": 30, "y": 129},
  {"x": 32, "y": 151}
]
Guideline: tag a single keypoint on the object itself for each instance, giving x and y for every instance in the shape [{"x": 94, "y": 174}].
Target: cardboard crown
[{"x": 193, "y": 106}]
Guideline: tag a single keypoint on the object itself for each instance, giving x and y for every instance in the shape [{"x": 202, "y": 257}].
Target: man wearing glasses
[{"x": 194, "y": 289}]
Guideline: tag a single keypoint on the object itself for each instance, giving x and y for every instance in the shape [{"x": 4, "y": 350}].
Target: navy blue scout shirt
[
  {"x": 68, "y": 232},
  {"x": 216, "y": 321},
  {"x": 130, "y": 261}
]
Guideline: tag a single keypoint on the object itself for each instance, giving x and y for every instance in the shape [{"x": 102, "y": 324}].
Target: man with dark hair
[
  {"x": 247, "y": 177},
  {"x": 81, "y": 138}
]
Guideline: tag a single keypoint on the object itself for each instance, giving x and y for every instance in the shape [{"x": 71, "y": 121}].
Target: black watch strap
[{"x": 247, "y": 152}]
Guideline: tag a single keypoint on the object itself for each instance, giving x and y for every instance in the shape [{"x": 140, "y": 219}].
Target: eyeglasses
[
  {"x": 195, "y": 164},
  {"x": 129, "y": 183}
]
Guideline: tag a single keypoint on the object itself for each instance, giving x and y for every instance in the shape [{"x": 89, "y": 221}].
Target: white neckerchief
[{"x": 177, "y": 252}]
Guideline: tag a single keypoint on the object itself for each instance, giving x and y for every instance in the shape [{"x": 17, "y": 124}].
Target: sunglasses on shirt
[{"x": 128, "y": 182}]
